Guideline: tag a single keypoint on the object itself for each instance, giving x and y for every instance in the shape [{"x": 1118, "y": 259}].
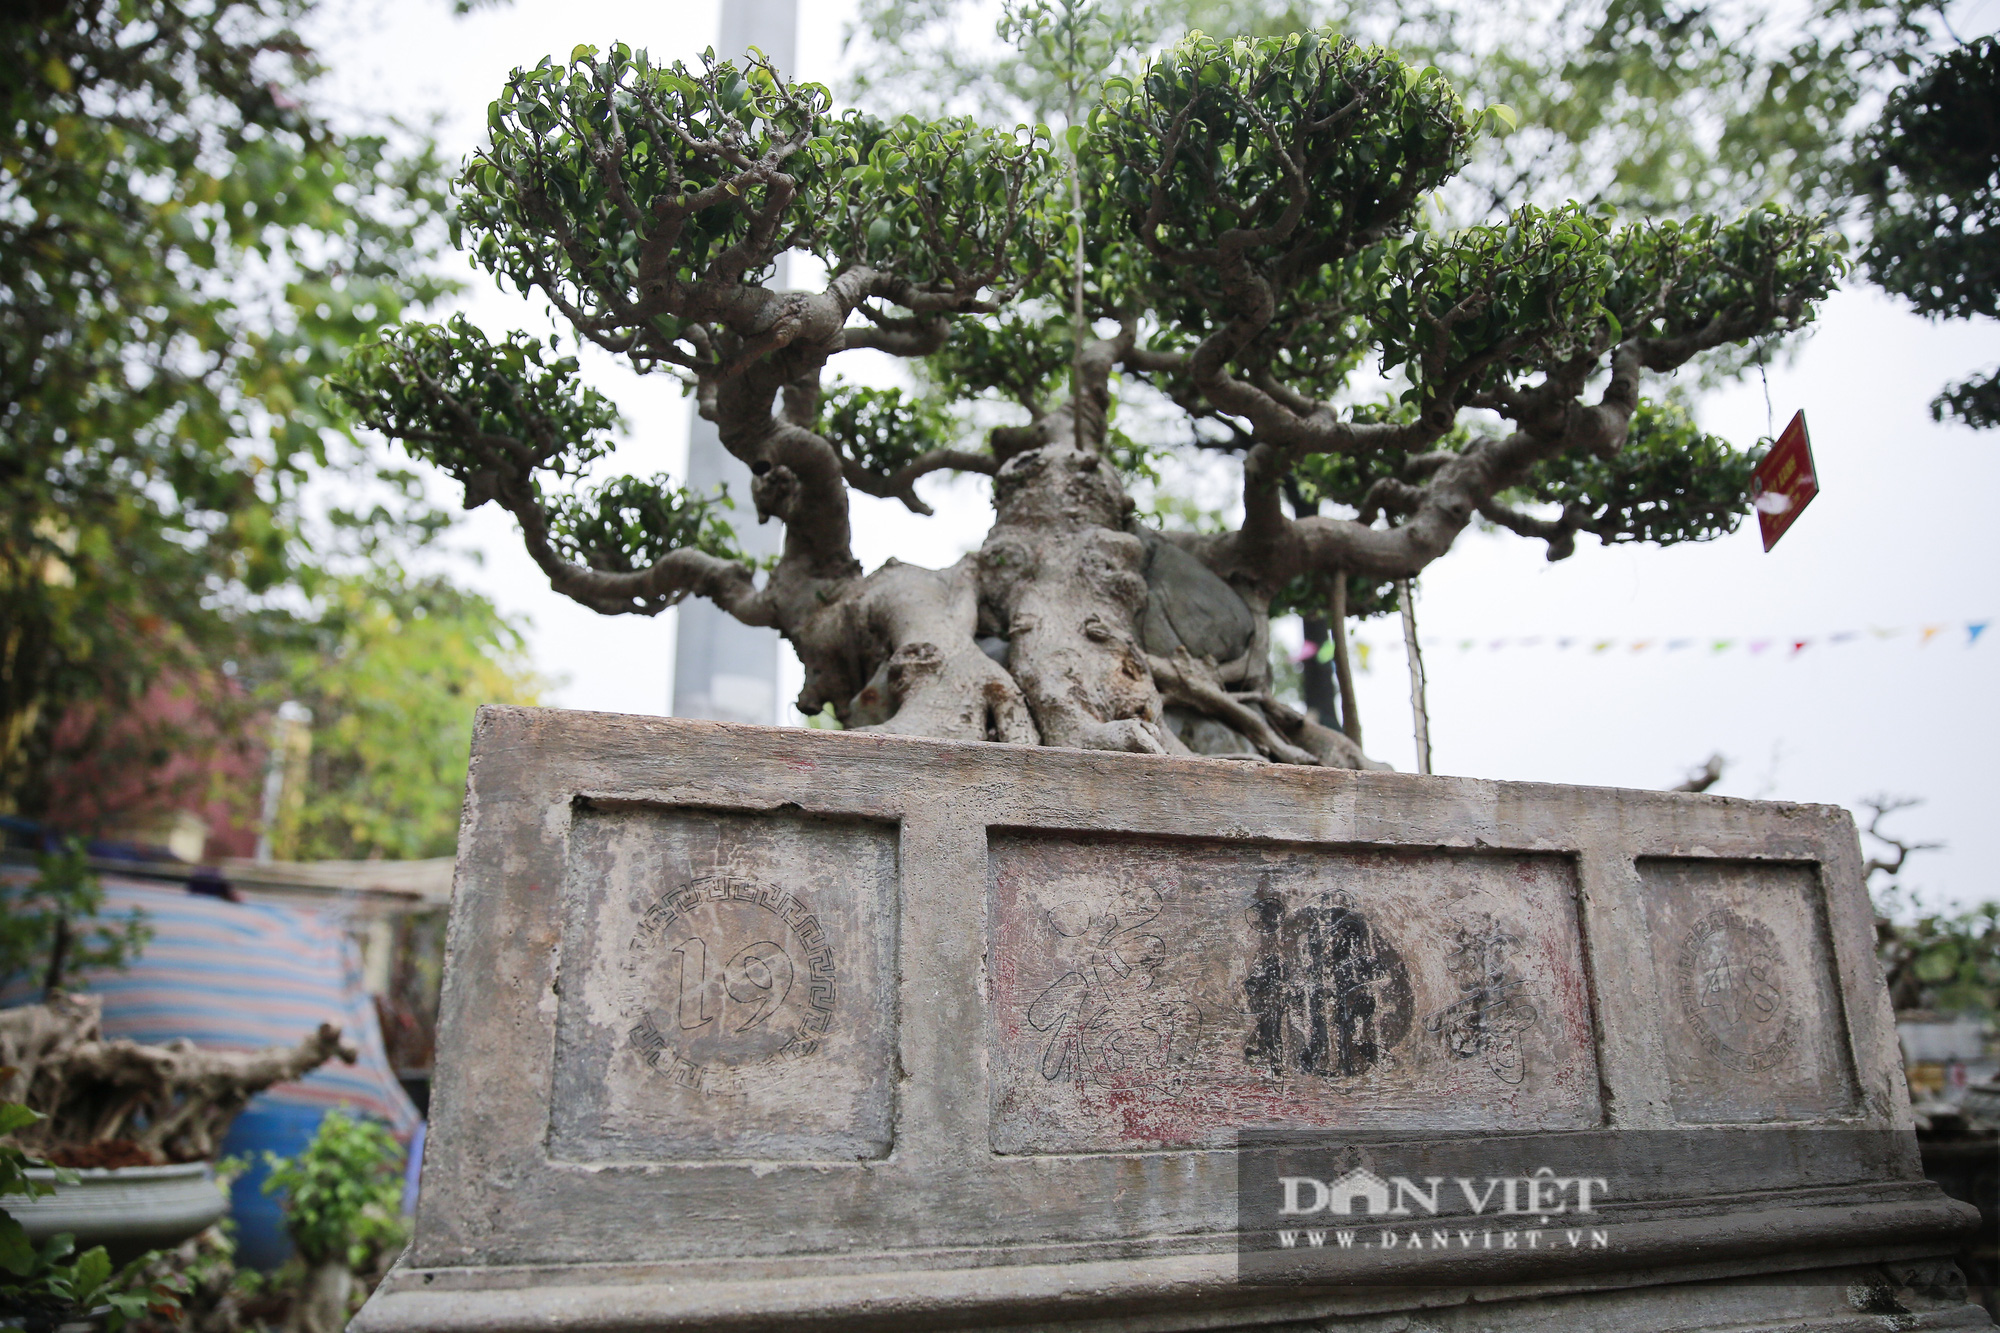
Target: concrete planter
[
  {"x": 127, "y": 1209},
  {"x": 750, "y": 1028}
]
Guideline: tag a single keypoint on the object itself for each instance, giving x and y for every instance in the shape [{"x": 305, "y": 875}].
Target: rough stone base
[
  {"x": 753, "y": 1029},
  {"x": 1859, "y": 1298}
]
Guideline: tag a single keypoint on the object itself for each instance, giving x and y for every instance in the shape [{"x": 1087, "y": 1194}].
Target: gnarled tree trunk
[
  {"x": 1073, "y": 626},
  {"x": 172, "y": 1103}
]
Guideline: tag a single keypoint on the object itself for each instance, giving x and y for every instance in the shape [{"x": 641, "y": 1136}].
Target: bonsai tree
[
  {"x": 1217, "y": 252},
  {"x": 342, "y": 1199}
]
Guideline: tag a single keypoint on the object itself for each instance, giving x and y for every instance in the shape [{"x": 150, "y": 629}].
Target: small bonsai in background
[
  {"x": 343, "y": 1208},
  {"x": 44, "y": 1289},
  {"x": 50, "y": 928},
  {"x": 102, "y": 1103},
  {"x": 122, "y": 1103}
]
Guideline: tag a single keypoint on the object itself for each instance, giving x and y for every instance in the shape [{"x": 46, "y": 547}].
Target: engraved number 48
[{"x": 759, "y": 975}]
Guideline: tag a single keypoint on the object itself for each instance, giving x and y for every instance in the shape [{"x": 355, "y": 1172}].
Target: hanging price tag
[{"x": 1784, "y": 483}]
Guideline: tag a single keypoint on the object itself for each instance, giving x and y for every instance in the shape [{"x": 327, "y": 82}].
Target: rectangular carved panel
[
  {"x": 1749, "y": 1000},
  {"x": 1163, "y": 994},
  {"x": 726, "y": 988}
]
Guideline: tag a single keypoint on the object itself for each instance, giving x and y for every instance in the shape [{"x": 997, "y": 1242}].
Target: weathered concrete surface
[
  {"x": 1165, "y": 995},
  {"x": 749, "y": 1028},
  {"x": 730, "y": 988},
  {"x": 1749, "y": 981}
]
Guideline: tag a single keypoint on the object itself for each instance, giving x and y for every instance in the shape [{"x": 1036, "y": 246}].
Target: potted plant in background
[
  {"x": 44, "y": 1287},
  {"x": 128, "y": 1132},
  {"x": 343, "y": 1207}
]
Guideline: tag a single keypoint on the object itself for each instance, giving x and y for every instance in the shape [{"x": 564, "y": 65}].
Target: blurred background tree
[
  {"x": 391, "y": 674},
  {"x": 1929, "y": 173},
  {"x": 188, "y": 242},
  {"x": 1649, "y": 106},
  {"x": 1935, "y": 961}
]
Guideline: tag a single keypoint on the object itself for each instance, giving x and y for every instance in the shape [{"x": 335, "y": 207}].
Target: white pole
[{"x": 724, "y": 670}]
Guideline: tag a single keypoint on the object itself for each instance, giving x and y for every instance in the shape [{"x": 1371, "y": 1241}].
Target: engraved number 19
[{"x": 760, "y": 975}]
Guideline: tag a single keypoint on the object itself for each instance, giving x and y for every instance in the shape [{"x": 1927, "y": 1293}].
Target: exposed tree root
[{"x": 1183, "y": 680}]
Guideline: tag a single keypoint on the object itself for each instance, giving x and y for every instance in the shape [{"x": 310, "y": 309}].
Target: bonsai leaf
[
  {"x": 486, "y": 412},
  {"x": 882, "y": 430},
  {"x": 1682, "y": 287},
  {"x": 1461, "y": 311},
  {"x": 629, "y": 524},
  {"x": 949, "y": 206},
  {"x": 1671, "y": 482},
  {"x": 14, "y": 1116},
  {"x": 1298, "y": 148}
]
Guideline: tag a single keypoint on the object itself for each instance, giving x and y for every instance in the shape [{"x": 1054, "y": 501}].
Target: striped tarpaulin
[{"x": 241, "y": 976}]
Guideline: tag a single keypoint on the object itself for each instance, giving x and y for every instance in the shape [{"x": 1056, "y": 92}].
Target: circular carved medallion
[
  {"x": 1732, "y": 989},
  {"x": 726, "y": 972}
]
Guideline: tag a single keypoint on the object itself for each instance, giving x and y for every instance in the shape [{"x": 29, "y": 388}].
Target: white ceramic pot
[{"x": 126, "y": 1209}]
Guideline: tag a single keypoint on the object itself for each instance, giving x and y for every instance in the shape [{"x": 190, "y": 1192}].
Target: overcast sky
[{"x": 1901, "y": 539}]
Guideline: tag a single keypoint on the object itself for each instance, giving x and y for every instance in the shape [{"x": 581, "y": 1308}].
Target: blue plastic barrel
[{"x": 266, "y": 1125}]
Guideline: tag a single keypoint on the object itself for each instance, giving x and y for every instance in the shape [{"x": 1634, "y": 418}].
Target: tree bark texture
[
  {"x": 1350, "y": 707},
  {"x": 1420, "y": 713},
  {"x": 1098, "y": 635},
  {"x": 322, "y": 1303}
]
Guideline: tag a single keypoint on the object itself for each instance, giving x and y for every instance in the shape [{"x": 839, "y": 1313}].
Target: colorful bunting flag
[{"x": 1799, "y": 644}]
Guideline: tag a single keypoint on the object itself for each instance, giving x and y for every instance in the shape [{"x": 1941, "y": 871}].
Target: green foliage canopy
[
  {"x": 1931, "y": 177},
  {"x": 392, "y": 672},
  {"x": 185, "y": 250},
  {"x": 1653, "y": 107}
]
